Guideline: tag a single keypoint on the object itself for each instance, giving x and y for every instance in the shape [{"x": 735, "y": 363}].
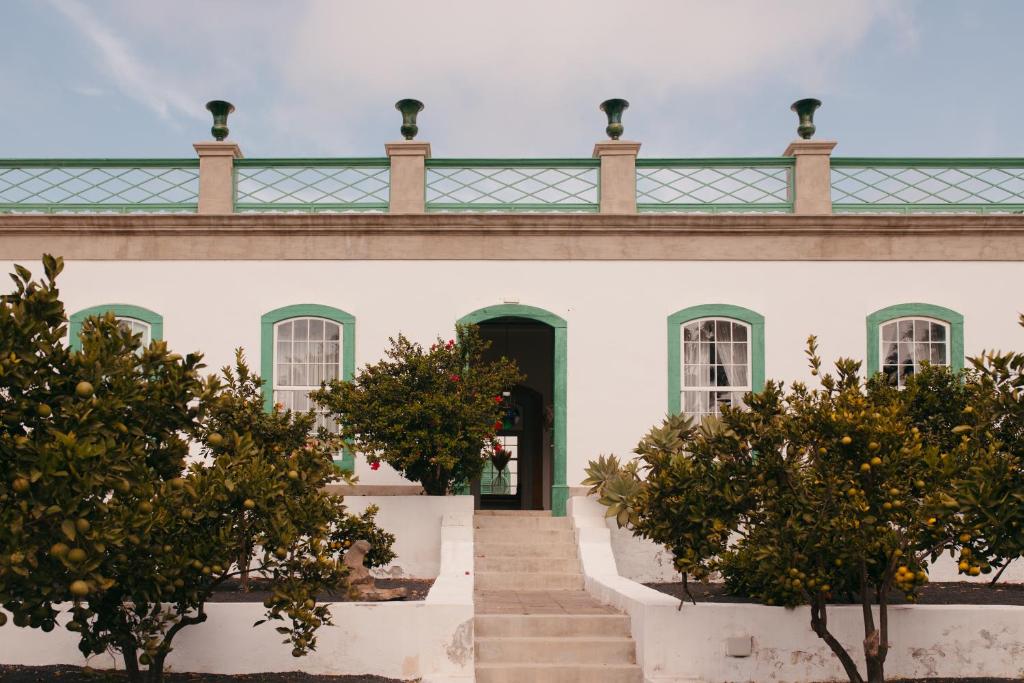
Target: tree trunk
[
  {"x": 874, "y": 648},
  {"x": 131, "y": 663},
  {"x": 819, "y": 624}
]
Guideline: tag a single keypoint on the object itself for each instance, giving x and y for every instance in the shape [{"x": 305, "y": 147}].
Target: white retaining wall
[
  {"x": 431, "y": 640},
  {"x": 416, "y": 523},
  {"x": 688, "y": 643}
]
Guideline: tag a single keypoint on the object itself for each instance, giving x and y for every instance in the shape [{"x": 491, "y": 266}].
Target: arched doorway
[{"x": 537, "y": 338}]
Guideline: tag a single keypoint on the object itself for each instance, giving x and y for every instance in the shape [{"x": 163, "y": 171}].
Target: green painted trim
[
  {"x": 718, "y": 207},
  {"x": 141, "y": 207},
  {"x": 866, "y": 207},
  {"x": 513, "y": 163},
  {"x": 776, "y": 162},
  {"x": 154, "y": 320},
  {"x": 348, "y": 351},
  {"x": 927, "y": 162},
  {"x": 916, "y": 310},
  {"x": 99, "y": 163},
  {"x": 312, "y": 161},
  {"x": 482, "y": 207},
  {"x": 677, "y": 319},
  {"x": 559, "y": 487},
  {"x": 286, "y": 207}
]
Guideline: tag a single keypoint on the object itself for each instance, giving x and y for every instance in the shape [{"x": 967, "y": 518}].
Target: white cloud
[
  {"x": 495, "y": 75},
  {"x": 132, "y": 76}
]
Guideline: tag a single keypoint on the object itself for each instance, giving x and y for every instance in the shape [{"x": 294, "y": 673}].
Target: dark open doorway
[{"x": 525, "y": 483}]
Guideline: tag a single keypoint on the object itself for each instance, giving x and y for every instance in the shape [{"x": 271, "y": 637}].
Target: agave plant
[
  {"x": 600, "y": 472},
  {"x": 619, "y": 495}
]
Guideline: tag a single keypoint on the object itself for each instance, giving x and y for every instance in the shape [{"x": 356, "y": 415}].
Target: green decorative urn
[
  {"x": 409, "y": 108},
  {"x": 220, "y": 110},
  {"x": 805, "y": 110},
  {"x": 614, "y": 108}
]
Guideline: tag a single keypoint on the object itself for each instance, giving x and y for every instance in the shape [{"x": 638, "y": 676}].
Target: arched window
[
  {"x": 902, "y": 337},
  {"x": 141, "y": 321},
  {"x": 302, "y": 346},
  {"x": 715, "y": 356}
]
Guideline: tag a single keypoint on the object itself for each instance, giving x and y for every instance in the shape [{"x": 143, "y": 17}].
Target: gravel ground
[
  {"x": 955, "y": 593},
  {"x": 77, "y": 674}
]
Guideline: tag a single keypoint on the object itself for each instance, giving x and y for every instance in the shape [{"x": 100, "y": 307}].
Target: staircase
[{"x": 534, "y": 622}]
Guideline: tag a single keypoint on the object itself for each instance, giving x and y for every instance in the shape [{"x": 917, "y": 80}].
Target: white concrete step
[
  {"x": 526, "y": 565},
  {"x": 497, "y": 549},
  {"x": 539, "y": 581},
  {"x": 558, "y": 673},
  {"x": 528, "y": 522},
  {"x": 548, "y": 650},
  {"x": 512, "y": 513},
  {"x": 538, "y": 625},
  {"x": 525, "y": 536}
]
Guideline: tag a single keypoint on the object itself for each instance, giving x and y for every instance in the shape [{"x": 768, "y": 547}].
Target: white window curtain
[
  {"x": 715, "y": 365},
  {"x": 307, "y": 352},
  {"x": 907, "y": 342}
]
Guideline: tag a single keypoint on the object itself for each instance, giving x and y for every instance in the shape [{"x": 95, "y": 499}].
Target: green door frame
[{"x": 559, "y": 489}]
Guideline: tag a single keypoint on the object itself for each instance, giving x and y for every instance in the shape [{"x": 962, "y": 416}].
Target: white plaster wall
[
  {"x": 416, "y": 523},
  {"x": 429, "y": 640},
  {"x": 680, "y": 643},
  {"x": 616, "y": 314}
]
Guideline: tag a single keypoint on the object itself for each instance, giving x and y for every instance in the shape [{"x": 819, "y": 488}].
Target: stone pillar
[
  {"x": 217, "y": 176},
  {"x": 408, "y": 176},
  {"x": 812, "y": 182},
  {"x": 618, "y": 175}
]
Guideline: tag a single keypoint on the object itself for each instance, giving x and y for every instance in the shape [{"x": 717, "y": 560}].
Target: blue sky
[{"x": 108, "y": 78}]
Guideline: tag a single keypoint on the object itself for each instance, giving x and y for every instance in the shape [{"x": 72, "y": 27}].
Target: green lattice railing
[
  {"x": 714, "y": 185},
  {"x": 312, "y": 185},
  {"x": 927, "y": 185},
  {"x": 512, "y": 185},
  {"x": 98, "y": 185}
]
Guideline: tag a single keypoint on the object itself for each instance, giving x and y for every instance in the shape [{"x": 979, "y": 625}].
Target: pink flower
[
  {"x": 455, "y": 378},
  {"x": 498, "y": 448},
  {"x": 375, "y": 465},
  {"x": 451, "y": 343}
]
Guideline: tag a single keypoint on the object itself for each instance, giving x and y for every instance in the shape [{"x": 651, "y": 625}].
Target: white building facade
[{"x": 626, "y": 287}]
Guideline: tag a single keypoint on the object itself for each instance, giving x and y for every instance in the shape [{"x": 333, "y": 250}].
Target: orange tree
[
  {"x": 99, "y": 515},
  {"x": 804, "y": 495},
  {"x": 430, "y": 414}
]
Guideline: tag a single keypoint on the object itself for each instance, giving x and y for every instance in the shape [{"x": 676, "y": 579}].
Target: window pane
[
  {"x": 284, "y": 352},
  {"x": 299, "y": 377},
  {"x": 331, "y": 353},
  {"x": 938, "y": 354},
  {"x": 316, "y": 352},
  {"x": 724, "y": 353},
  {"x": 739, "y": 332},
  {"x": 904, "y": 354},
  {"x": 284, "y": 330},
  {"x": 723, "y": 331},
  {"x": 316, "y": 330},
  {"x": 889, "y": 352},
  {"x": 906, "y": 330},
  {"x": 301, "y": 329},
  {"x": 691, "y": 376},
  {"x": 707, "y": 330},
  {"x": 938, "y": 332},
  {"x": 890, "y": 374},
  {"x": 300, "y": 352},
  {"x": 691, "y": 332},
  {"x": 332, "y": 331},
  {"x": 921, "y": 330},
  {"x": 889, "y": 332},
  {"x": 283, "y": 376},
  {"x": 691, "y": 353},
  {"x": 741, "y": 377},
  {"x": 740, "y": 353},
  {"x": 921, "y": 352}
]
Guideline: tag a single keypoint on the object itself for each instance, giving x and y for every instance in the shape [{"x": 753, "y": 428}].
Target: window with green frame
[
  {"x": 302, "y": 346},
  {"x": 715, "y": 355},
  {"x": 903, "y": 336},
  {"x": 142, "y": 321}
]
